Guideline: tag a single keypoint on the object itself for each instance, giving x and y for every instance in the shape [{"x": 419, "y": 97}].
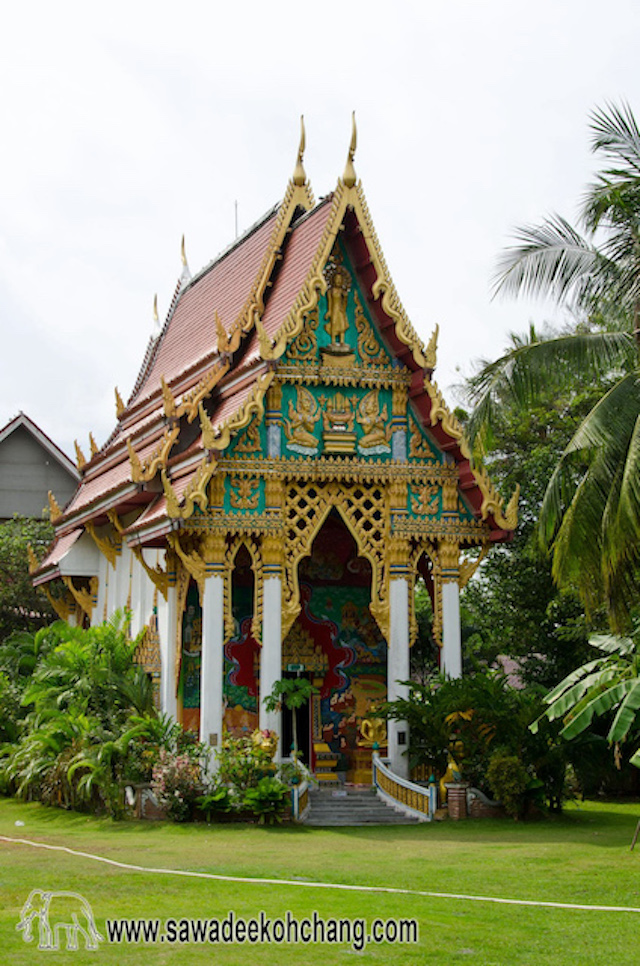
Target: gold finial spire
[
  {"x": 34, "y": 563},
  {"x": 93, "y": 445},
  {"x": 80, "y": 457},
  {"x": 120, "y": 407},
  {"x": 183, "y": 252},
  {"x": 134, "y": 459},
  {"x": 299, "y": 174},
  {"x": 208, "y": 432},
  {"x": 349, "y": 176},
  {"x": 431, "y": 352},
  {"x": 54, "y": 509},
  {"x": 168, "y": 400},
  {"x": 155, "y": 307},
  {"x": 222, "y": 336}
]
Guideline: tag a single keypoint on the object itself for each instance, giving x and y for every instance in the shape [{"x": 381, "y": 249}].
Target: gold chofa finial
[
  {"x": 54, "y": 509},
  {"x": 120, "y": 406},
  {"x": 349, "y": 176},
  {"x": 299, "y": 174},
  {"x": 183, "y": 252},
  {"x": 155, "y": 307},
  {"x": 80, "y": 457}
]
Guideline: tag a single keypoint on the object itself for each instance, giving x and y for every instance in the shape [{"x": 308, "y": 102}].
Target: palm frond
[
  {"x": 616, "y": 134},
  {"x": 551, "y": 260},
  {"x": 522, "y": 374}
]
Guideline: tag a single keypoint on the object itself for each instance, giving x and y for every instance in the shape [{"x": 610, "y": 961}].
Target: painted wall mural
[
  {"x": 189, "y": 685},
  {"x": 241, "y": 668},
  {"x": 356, "y": 674}
]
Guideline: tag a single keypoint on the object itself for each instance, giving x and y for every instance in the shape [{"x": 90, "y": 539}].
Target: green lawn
[{"x": 582, "y": 857}]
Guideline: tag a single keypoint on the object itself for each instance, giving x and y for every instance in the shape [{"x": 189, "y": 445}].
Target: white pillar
[
  {"x": 398, "y": 670},
  {"x": 212, "y": 666},
  {"x": 451, "y": 658},
  {"x": 167, "y": 631},
  {"x": 271, "y": 654},
  {"x": 105, "y": 574}
]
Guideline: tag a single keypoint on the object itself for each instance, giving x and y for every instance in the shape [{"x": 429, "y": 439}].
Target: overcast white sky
[{"x": 126, "y": 124}]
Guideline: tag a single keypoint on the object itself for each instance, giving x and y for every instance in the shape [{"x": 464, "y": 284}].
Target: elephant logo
[{"x": 59, "y": 913}]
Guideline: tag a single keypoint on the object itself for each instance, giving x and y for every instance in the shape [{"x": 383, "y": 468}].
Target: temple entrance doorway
[{"x": 337, "y": 644}]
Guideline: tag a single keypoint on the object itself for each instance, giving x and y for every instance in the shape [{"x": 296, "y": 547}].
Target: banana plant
[{"x": 610, "y": 683}]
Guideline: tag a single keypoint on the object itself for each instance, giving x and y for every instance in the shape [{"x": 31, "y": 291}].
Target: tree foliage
[
  {"x": 513, "y": 607},
  {"x": 590, "y": 515},
  {"x": 22, "y": 606},
  {"x": 600, "y": 687}
]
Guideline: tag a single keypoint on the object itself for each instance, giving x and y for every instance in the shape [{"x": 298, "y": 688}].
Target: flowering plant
[{"x": 177, "y": 782}]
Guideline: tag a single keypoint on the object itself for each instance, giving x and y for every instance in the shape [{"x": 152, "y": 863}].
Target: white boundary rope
[{"x": 302, "y": 884}]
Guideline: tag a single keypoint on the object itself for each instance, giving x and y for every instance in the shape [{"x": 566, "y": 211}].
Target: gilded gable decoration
[
  {"x": 372, "y": 419},
  {"x": 338, "y": 420},
  {"x": 304, "y": 348},
  {"x": 110, "y": 547},
  {"x": 419, "y": 448},
  {"x": 368, "y": 346},
  {"x": 338, "y": 288},
  {"x": 245, "y": 492},
  {"x": 298, "y": 428}
]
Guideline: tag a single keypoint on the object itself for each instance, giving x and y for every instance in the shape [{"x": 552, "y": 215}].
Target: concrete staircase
[{"x": 352, "y": 806}]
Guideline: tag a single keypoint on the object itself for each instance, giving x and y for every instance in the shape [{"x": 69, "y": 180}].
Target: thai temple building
[{"x": 283, "y": 472}]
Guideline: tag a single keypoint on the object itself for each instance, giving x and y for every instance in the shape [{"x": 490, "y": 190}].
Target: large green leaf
[
  {"x": 627, "y": 712},
  {"x": 598, "y": 705}
]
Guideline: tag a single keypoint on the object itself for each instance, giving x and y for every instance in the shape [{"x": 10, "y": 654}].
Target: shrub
[
  {"x": 267, "y": 799},
  {"x": 177, "y": 784},
  {"x": 218, "y": 800},
  {"x": 242, "y": 762},
  {"x": 508, "y": 779}
]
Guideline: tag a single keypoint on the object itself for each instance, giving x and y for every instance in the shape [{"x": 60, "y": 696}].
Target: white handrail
[{"x": 418, "y": 801}]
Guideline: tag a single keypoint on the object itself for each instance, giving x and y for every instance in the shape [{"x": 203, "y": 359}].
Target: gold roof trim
[
  {"x": 34, "y": 563},
  {"x": 440, "y": 412},
  {"x": 349, "y": 176},
  {"x": 81, "y": 459},
  {"x": 492, "y": 502},
  {"x": 196, "y": 492},
  {"x": 54, "y": 508},
  {"x": 120, "y": 406},
  {"x": 299, "y": 177},
  {"x": 315, "y": 285}
]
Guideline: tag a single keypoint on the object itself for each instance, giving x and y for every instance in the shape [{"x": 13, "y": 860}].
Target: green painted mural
[{"x": 189, "y": 683}]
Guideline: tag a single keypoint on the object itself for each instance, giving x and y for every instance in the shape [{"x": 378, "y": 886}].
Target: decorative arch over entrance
[{"x": 364, "y": 509}]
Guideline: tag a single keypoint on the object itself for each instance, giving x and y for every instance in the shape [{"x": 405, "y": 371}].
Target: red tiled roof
[
  {"x": 158, "y": 509},
  {"x": 224, "y": 288},
  {"x": 102, "y": 483},
  {"x": 60, "y": 549}
]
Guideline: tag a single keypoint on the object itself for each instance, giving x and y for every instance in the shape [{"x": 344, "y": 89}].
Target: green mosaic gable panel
[
  {"x": 358, "y": 332},
  {"x": 244, "y": 493},
  {"x": 420, "y": 446},
  {"x": 251, "y": 442},
  {"x": 323, "y": 420}
]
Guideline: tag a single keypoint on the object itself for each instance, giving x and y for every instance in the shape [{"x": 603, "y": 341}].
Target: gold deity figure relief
[
  {"x": 338, "y": 421},
  {"x": 299, "y": 427},
  {"x": 376, "y": 436},
  {"x": 339, "y": 285}
]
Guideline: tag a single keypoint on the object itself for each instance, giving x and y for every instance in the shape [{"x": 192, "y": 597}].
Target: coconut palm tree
[{"x": 590, "y": 517}]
